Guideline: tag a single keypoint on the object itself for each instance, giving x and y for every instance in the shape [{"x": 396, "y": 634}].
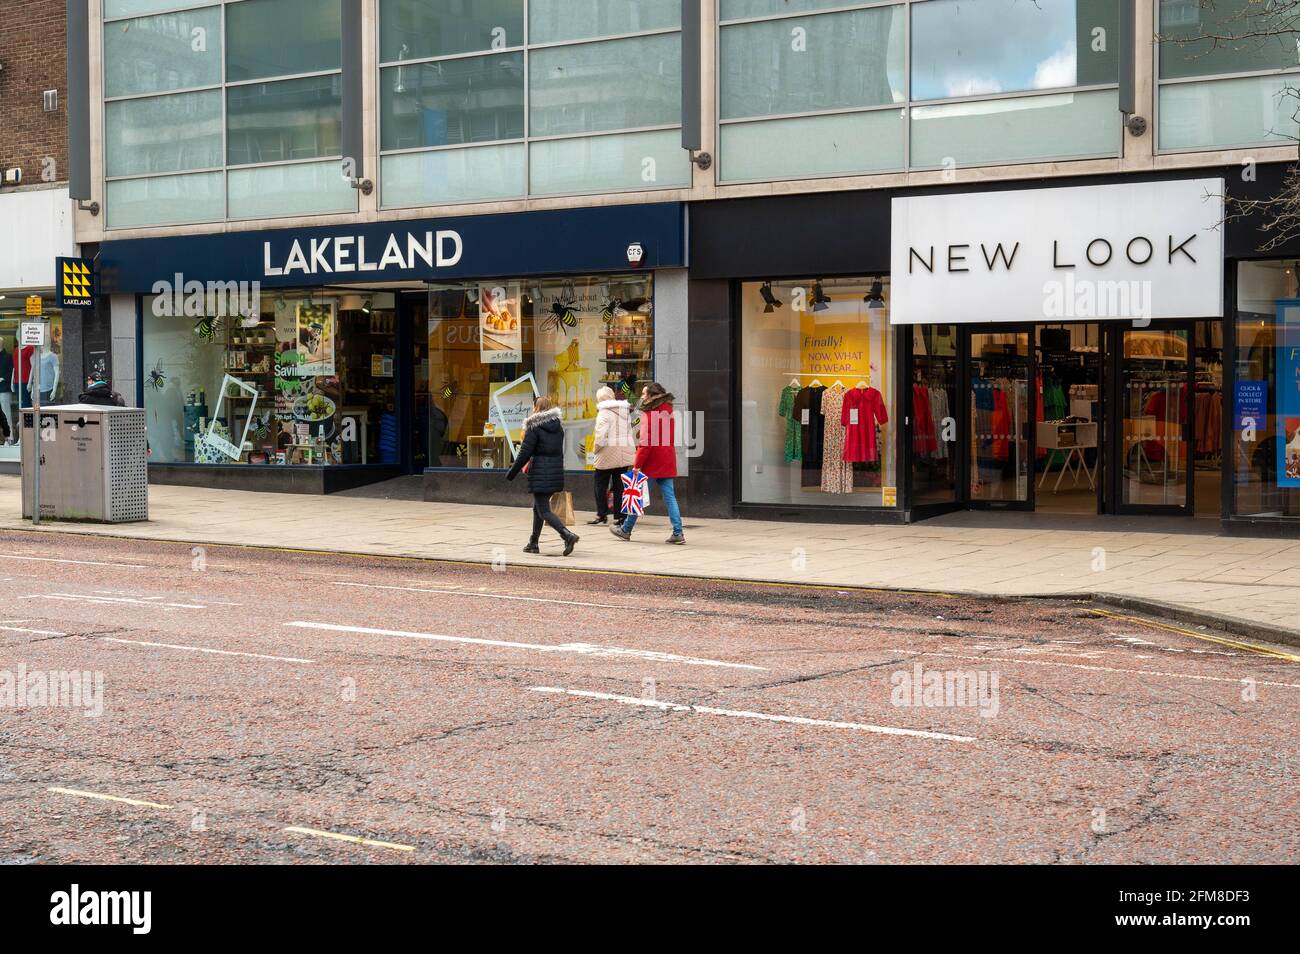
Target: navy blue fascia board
[{"x": 516, "y": 244}]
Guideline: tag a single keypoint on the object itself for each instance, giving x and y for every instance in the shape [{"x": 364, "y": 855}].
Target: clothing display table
[{"x": 1073, "y": 439}]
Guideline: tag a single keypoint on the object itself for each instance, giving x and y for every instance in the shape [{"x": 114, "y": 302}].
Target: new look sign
[{"x": 1136, "y": 251}]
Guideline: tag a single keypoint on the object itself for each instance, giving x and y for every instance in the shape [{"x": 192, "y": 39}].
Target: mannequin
[
  {"x": 6, "y": 392},
  {"x": 49, "y": 375}
]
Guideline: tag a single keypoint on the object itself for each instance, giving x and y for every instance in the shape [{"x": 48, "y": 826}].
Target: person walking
[
  {"x": 543, "y": 448},
  {"x": 614, "y": 449},
  {"x": 656, "y": 457}
]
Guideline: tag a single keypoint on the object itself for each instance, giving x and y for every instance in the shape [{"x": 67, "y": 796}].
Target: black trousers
[
  {"x": 542, "y": 513},
  {"x": 606, "y": 479}
]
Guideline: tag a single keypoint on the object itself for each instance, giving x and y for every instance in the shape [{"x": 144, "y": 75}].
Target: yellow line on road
[
  {"x": 368, "y": 842},
  {"x": 78, "y": 793},
  {"x": 1247, "y": 647}
]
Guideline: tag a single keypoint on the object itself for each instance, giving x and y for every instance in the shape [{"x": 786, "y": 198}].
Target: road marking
[
  {"x": 368, "y": 842},
  {"x": 742, "y": 714},
  {"x": 1136, "y": 672},
  {"x": 78, "y": 793},
  {"x": 1249, "y": 647},
  {"x": 109, "y": 600},
  {"x": 37, "y": 632},
  {"x": 15, "y": 556},
  {"x": 201, "y": 649},
  {"x": 505, "y": 596},
  {"x": 581, "y": 649}
]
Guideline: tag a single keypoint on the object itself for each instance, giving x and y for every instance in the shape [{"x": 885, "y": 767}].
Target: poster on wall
[
  {"x": 500, "y": 330},
  {"x": 316, "y": 332},
  {"x": 1288, "y": 395},
  {"x": 837, "y": 345}
]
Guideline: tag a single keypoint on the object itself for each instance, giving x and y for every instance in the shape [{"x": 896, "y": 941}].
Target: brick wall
[{"x": 33, "y": 55}]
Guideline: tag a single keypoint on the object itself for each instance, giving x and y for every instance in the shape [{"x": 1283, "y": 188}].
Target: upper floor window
[{"x": 1226, "y": 74}]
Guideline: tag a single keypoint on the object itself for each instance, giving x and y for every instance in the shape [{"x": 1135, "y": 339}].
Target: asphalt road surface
[{"x": 278, "y": 707}]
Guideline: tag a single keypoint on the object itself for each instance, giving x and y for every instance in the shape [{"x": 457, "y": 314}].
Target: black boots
[
  {"x": 570, "y": 542},
  {"x": 532, "y": 547}
]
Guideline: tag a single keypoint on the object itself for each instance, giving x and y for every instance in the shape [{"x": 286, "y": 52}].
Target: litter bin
[{"x": 94, "y": 463}]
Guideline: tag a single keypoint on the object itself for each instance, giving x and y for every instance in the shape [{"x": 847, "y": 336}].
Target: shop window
[
  {"x": 818, "y": 425},
  {"x": 494, "y": 345},
  {"x": 17, "y": 364},
  {"x": 1265, "y": 443},
  {"x": 294, "y": 378}
]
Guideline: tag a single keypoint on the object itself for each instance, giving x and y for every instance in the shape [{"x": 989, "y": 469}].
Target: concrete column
[{"x": 123, "y": 323}]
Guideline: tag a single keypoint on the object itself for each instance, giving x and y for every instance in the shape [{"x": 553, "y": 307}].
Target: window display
[
  {"x": 16, "y": 366},
  {"x": 1266, "y": 420},
  {"x": 307, "y": 379},
  {"x": 493, "y": 346},
  {"x": 817, "y": 375}
]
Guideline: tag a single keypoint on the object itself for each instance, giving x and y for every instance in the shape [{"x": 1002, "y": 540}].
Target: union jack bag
[{"x": 636, "y": 493}]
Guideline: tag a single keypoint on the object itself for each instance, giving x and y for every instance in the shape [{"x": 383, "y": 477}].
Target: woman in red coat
[{"x": 656, "y": 457}]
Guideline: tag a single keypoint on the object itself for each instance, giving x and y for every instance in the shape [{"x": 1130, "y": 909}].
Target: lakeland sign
[
  {"x": 520, "y": 244},
  {"x": 1134, "y": 251}
]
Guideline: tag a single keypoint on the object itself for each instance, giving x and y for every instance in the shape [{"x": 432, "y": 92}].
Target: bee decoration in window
[
  {"x": 609, "y": 311},
  {"x": 157, "y": 377},
  {"x": 447, "y": 392},
  {"x": 562, "y": 316},
  {"x": 206, "y": 328},
  {"x": 262, "y": 427}
]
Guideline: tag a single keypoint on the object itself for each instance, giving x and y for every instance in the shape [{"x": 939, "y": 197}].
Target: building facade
[
  {"x": 35, "y": 211},
  {"x": 894, "y": 258}
]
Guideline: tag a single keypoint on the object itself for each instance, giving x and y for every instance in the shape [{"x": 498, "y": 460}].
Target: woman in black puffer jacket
[{"x": 544, "y": 446}]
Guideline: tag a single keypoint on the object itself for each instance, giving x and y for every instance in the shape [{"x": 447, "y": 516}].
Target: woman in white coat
[{"x": 614, "y": 449}]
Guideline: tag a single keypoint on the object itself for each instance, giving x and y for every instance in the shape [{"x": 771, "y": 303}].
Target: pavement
[
  {"x": 1183, "y": 569},
  {"x": 241, "y": 707}
]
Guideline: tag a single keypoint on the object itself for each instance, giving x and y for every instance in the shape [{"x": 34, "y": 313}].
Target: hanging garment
[
  {"x": 809, "y": 402},
  {"x": 938, "y": 415},
  {"x": 1001, "y": 425},
  {"x": 837, "y": 474},
  {"x": 923, "y": 436},
  {"x": 864, "y": 409},
  {"x": 793, "y": 429}
]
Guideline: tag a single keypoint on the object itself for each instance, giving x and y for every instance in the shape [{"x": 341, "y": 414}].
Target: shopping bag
[
  {"x": 636, "y": 493},
  {"x": 562, "y": 507}
]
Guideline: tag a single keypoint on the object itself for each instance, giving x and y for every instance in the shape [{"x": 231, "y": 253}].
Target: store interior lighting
[
  {"x": 820, "y": 301},
  {"x": 770, "y": 302},
  {"x": 875, "y": 298}
]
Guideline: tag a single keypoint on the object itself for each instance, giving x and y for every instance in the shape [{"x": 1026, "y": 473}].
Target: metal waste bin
[{"x": 94, "y": 463}]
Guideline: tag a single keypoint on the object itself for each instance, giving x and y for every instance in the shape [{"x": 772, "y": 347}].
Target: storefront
[
  {"x": 1075, "y": 347},
  {"x": 27, "y": 257},
  {"x": 318, "y": 359}
]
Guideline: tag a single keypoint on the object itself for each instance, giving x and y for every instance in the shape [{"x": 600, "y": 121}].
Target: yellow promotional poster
[{"x": 834, "y": 344}]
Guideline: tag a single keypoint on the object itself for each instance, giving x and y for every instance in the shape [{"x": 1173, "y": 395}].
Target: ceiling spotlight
[
  {"x": 472, "y": 295},
  {"x": 366, "y": 305},
  {"x": 770, "y": 302},
  {"x": 875, "y": 298},
  {"x": 820, "y": 301}
]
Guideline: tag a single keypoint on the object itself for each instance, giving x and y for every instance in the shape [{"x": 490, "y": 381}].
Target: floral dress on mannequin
[{"x": 837, "y": 473}]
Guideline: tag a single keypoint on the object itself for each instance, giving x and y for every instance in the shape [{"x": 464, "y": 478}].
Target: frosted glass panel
[
  {"x": 1272, "y": 47},
  {"x": 653, "y": 160},
  {"x": 289, "y": 119},
  {"x": 282, "y": 37},
  {"x": 617, "y": 84},
  {"x": 970, "y": 47},
  {"x": 290, "y": 190},
  {"x": 477, "y": 99},
  {"x": 163, "y": 133},
  {"x": 164, "y": 200},
  {"x": 1051, "y": 126},
  {"x": 550, "y": 21},
  {"x": 128, "y": 8},
  {"x": 1235, "y": 112},
  {"x": 414, "y": 29},
  {"x": 839, "y": 60},
  {"x": 738, "y": 9},
  {"x": 452, "y": 175},
  {"x": 156, "y": 54},
  {"x": 813, "y": 146}
]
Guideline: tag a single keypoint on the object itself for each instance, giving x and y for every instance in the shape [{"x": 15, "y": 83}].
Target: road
[{"x": 280, "y": 707}]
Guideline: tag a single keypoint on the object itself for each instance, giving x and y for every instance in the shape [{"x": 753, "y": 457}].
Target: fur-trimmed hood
[
  {"x": 656, "y": 400},
  {"x": 541, "y": 417},
  {"x": 614, "y": 405}
]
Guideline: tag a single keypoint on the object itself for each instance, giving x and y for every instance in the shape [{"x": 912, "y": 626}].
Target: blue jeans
[{"x": 669, "y": 493}]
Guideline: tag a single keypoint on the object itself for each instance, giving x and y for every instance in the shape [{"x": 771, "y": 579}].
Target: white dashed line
[
  {"x": 368, "y": 842},
  {"x": 761, "y": 716},
  {"x": 506, "y": 596},
  {"x": 15, "y": 556},
  {"x": 108, "y": 600},
  {"x": 97, "y": 796},
  {"x": 580, "y": 649},
  {"x": 202, "y": 649},
  {"x": 35, "y": 632}
]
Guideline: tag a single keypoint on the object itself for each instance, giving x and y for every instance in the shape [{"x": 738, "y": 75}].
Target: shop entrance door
[
  {"x": 1000, "y": 423},
  {"x": 1154, "y": 472}
]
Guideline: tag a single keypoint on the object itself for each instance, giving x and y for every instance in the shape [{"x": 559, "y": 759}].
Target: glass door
[
  {"x": 1155, "y": 381},
  {"x": 932, "y": 406},
  {"x": 1000, "y": 432}
]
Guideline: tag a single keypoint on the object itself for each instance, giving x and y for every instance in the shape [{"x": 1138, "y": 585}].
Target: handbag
[{"x": 562, "y": 507}]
